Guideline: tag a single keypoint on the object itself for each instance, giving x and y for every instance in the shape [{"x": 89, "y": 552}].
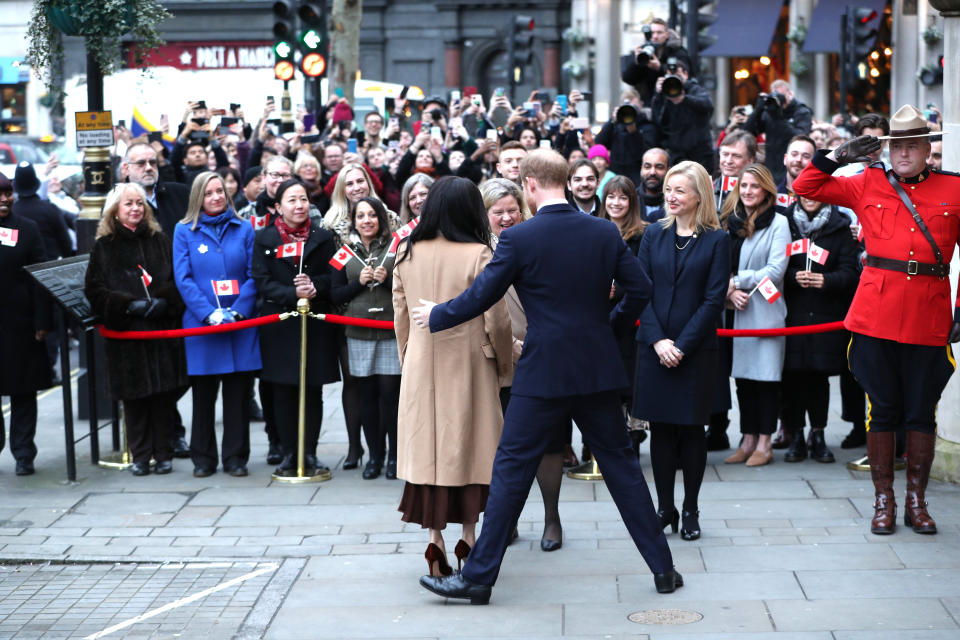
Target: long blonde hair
[
  {"x": 733, "y": 206},
  {"x": 195, "y": 204},
  {"x": 339, "y": 210},
  {"x": 706, "y": 217},
  {"x": 109, "y": 221}
]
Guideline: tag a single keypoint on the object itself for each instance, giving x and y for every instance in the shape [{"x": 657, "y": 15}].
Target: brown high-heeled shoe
[
  {"x": 462, "y": 550},
  {"x": 437, "y": 561}
]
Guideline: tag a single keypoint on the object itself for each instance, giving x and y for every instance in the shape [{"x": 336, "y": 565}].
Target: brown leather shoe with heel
[{"x": 437, "y": 561}]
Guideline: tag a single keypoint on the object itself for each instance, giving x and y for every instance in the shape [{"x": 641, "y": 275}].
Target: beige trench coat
[{"x": 449, "y": 421}]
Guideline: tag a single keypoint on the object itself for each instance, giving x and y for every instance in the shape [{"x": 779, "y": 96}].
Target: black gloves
[
  {"x": 954, "y": 333},
  {"x": 147, "y": 307},
  {"x": 857, "y": 150}
]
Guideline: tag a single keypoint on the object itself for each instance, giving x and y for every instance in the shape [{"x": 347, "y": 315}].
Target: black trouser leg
[
  {"x": 203, "y": 436},
  {"x": 693, "y": 462},
  {"x": 853, "y": 399},
  {"x": 369, "y": 389},
  {"x": 818, "y": 399},
  {"x": 389, "y": 408},
  {"x": 235, "y": 450},
  {"x": 664, "y": 445},
  {"x": 795, "y": 399},
  {"x": 286, "y": 398},
  {"x": 163, "y": 421},
  {"x": 352, "y": 399},
  {"x": 136, "y": 412},
  {"x": 179, "y": 430},
  {"x": 269, "y": 417},
  {"x": 23, "y": 426}
]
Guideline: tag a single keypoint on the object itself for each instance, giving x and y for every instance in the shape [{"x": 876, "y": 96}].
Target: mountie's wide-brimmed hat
[{"x": 909, "y": 122}]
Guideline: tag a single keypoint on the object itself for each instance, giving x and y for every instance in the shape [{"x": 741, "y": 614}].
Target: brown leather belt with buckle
[{"x": 909, "y": 267}]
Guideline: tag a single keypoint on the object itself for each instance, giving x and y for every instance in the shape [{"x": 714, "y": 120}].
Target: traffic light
[
  {"x": 283, "y": 70},
  {"x": 864, "y": 33},
  {"x": 313, "y": 65},
  {"x": 932, "y": 73},
  {"x": 283, "y": 30},
  {"x": 313, "y": 32},
  {"x": 519, "y": 47},
  {"x": 699, "y": 16}
]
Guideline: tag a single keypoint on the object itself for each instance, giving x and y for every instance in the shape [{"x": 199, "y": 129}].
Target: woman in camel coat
[{"x": 449, "y": 418}]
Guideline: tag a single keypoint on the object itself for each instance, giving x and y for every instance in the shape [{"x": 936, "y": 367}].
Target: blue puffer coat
[{"x": 220, "y": 248}]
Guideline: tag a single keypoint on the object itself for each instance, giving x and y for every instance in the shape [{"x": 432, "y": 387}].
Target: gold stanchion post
[
  {"x": 303, "y": 475},
  {"x": 119, "y": 460},
  {"x": 863, "y": 464},
  {"x": 588, "y": 470}
]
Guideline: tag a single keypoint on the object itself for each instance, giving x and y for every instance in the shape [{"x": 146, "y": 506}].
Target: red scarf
[{"x": 289, "y": 234}]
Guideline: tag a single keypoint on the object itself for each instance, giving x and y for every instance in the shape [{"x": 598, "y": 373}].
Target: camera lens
[
  {"x": 672, "y": 86},
  {"x": 626, "y": 114}
]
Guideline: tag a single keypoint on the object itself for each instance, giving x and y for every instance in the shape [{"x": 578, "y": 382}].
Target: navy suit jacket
[
  {"x": 561, "y": 264},
  {"x": 686, "y": 306}
]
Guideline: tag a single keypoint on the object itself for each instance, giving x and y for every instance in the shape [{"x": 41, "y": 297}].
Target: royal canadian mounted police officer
[{"x": 901, "y": 317}]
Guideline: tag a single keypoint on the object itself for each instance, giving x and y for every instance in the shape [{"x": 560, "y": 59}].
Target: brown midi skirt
[{"x": 433, "y": 507}]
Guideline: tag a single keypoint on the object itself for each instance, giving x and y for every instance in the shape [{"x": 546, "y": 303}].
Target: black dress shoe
[
  {"x": 372, "y": 470},
  {"x": 25, "y": 468},
  {"x": 353, "y": 460},
  {"x": 550, "y": 545},
  {"x": 203, "y": 472},
  {"x": 668, "y": 582},
  {"x": 671, "y": 519},
  {"x": 140, "y": 468},
  {"x": 163, "y": 467},
  {"x": 818, "y": 448},
  {"x": 390, "y": 473},
  {"x": 690, "y": 529},
  {"x": 275, "y": 453},
  {"x": 456, "y": 586},
  {"x": 238, "y": 471},
  {"x": 797, "y": 451},
  {"x": 180, "y": 448}
]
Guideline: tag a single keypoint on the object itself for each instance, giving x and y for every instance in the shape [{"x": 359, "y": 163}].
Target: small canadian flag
[
  {"x": 394, "y": 245},
  {"x": 784, "y": 199},
  {"x": 798, "y": 246},
  {"x": 259, "y": 222},
  {"x": 406, "y": 230},
  {"x": 227, "y": 287},
  {"x": 290, "y": 250},
  {"x": 146, "y": 277},
  {"x": 8, "y": 237},
  {"x": 342, "y": 257},
  {"x": 818, "y": 254},
  {"x": 729, "y": 183},
  {"x": 768, "y": 290}
]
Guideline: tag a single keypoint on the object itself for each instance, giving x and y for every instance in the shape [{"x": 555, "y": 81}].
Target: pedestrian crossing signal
[
  {"x": 283, "y": 70},
  {"x": 313, "y": 65}
]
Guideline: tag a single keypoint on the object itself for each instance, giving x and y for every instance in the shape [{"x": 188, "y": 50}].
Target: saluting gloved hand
[
  {"x": 156, "y": 308},
  {"x": 138, "y": 307},
  {"x": 857, "y": 150},
  {"x": 954, "y": 333}
]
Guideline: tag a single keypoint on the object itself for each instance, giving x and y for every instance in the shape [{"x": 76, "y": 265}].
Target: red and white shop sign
[{"x": 199, "y": 56}]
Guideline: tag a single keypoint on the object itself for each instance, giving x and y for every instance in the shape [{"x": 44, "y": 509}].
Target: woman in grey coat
[{"x": 759, "y": 240}]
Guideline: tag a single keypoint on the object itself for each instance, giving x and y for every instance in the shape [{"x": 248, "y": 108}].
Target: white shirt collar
[{"x": 550, "y": 203}]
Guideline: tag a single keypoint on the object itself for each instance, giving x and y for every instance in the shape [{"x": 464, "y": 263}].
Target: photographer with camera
[
  {"x": 780, "y": 117},
  {"x": 189, "y": 155},
  {"x": 628, "y": 135},
  {"x": 643, "y": 66},
  {"x": 681, "y": 111}
]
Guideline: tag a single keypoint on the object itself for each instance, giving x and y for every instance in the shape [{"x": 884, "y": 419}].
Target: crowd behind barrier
[{"x": 207, "y": 245}]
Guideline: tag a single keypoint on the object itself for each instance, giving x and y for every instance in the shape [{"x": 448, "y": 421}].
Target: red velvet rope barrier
[
  {"x": 186, "y": 333},
  {"x": 387, "y": 324}
]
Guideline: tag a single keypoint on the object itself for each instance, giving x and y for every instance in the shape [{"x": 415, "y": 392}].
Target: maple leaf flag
[
  {"x": 342, "y": 257},
  {"x": 406, "y": 230},
  {"x": 394, "y": 245},
  {"x": 259, "y": 222},
  {"x": 784, "y": 199},
  {"x": 227, "y": 287},
  {"x": 290, "y": 250},
  {"x": 729, "y": 183},
  {"x": 768, "y": 290},
  {"x": 798, "y": 246},
  {"x": 818, "y": 254},
  {"x": 146, "y": 277},
  {"x": 9, "y": 236}
]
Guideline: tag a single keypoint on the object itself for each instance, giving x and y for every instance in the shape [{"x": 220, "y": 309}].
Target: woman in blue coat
[
  {"x": 212, "y": 250},
  {"x": 687, "y": 256}
]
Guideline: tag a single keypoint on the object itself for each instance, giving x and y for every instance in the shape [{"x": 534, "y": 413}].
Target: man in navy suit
[{"x": 561, "y": 264}]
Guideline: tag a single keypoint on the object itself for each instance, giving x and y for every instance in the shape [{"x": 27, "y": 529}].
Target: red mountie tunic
[{"x": 889, "y": 304}]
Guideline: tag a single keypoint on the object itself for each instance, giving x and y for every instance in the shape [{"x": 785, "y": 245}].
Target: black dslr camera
[
  {"x": 672, "y": 84},
  {"x": 774, "y": 101},
  {"x": 649, "y": 49},
  {"x": 626, "y": 113}
]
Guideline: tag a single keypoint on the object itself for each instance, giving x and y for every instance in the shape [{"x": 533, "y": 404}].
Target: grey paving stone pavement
[{"x": 786, "y": 554}]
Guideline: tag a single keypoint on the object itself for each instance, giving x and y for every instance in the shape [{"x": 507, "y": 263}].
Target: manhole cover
[{"x": 665, "y": 616}]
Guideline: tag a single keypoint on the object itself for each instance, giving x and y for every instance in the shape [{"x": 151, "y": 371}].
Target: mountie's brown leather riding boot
[
  {"x": 919, "y": 458},
  {"x": 880, "y": 452}
]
